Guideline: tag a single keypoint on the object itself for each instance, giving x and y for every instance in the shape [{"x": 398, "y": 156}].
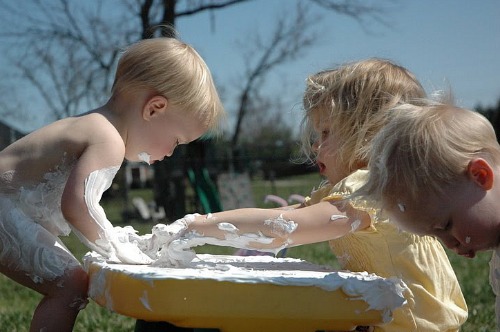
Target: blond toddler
[
  {"x": 434, "y": 169},
  {"x": 51, "y": 181}
]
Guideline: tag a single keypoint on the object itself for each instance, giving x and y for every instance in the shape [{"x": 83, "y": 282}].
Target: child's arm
[
  {"x": 90, "y": 177},
  {"x": 269, "y": 229},
  {"x": 315, "y": 223}
]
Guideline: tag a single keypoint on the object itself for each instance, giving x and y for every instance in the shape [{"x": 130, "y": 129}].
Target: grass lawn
[{"x": 17, "y": 303}]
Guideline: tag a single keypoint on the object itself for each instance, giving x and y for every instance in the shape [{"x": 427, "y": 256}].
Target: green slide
[{"x": 205, "y": 189}]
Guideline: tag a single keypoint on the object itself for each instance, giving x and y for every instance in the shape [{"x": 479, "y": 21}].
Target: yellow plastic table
[{"x": 245, "y": 294}]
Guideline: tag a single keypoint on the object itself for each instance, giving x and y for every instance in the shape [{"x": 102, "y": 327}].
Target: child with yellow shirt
[{"x": 344, "y": 109}]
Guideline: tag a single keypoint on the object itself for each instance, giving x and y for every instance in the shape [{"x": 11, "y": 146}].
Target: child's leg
[
  {"x": 63, "y": 299},
  {"x": 35, "y": 258}
]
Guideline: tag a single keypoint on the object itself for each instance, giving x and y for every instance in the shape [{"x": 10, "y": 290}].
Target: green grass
[
  {"x": 17, "y": 303},
  {"x": 473, "y": 275}
]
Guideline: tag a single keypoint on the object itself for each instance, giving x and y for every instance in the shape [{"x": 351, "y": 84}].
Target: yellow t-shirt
[{"x": 435, "y": 300}]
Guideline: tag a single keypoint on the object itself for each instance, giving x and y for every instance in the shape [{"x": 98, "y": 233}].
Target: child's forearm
[
  {"x": 259, "y": 229},
  {"x": 91, "y": 225},
  {"x": 273, "y": 229},
  {"x": 252, "y": 228}
]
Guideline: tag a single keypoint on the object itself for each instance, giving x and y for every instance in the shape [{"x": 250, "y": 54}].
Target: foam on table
[{"x": 239, "y": 294}]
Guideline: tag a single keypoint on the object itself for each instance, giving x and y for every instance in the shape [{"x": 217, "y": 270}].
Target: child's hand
[
  {"x": 143, "y": 242},
  {"x": 168, "y": 245},
  {"x": 129, "y": 253},
  {"x": 163, "y": 234},
  {"x": 124, "y": 247}
]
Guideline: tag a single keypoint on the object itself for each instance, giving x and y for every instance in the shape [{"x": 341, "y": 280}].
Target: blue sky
[{"x": 446, "y": 43}]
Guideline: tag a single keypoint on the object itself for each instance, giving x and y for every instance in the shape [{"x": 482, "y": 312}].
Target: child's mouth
[
  {"x": 145, "y": 157},
  {"x": 468, "y": 254}
]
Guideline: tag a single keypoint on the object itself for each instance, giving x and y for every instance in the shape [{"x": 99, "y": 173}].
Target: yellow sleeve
[
  {"x": 342, "y": 192},
  {"x": 317, "y": 195}
]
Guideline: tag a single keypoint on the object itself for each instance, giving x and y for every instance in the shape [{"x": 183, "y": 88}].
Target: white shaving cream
[
  {"x": 145, "y": 301},
  {"x": 145, "y": 157},
  {"x": 109, "y": 243},
  {"x": 379, "y": 293},
  {"x": 337, "y": 217},
  {"x": 179, "y": 252},
  {"x": 401, "y": 207},
  {"x": 355, "y": 225},
  {"x": 95, "y": 185},
  {"x": 228, "y": 228},
  {"x": 280, "y": 226},
  {"x": 170, "y": 245}
]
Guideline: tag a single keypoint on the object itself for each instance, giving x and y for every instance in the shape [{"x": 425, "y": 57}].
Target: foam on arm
[{"x": 107, "y": 244}]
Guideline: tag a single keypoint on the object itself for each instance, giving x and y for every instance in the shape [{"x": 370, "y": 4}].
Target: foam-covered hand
[
  {"x": 129, "y": 234},
  {"x": 120, "y": 247},
  {"x": 129, "y": 253},
  {"x": 165, "y": 240},
  {"x": 177, "y": 253}
]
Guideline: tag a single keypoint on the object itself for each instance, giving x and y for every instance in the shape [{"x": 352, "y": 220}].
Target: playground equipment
[{"x": 205, "y": 189}]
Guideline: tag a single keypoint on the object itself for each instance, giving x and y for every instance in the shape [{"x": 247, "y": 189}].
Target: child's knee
[
  {"x": 78, "y": 281},
  {"x": 74, "y": 287},
  {"x": 80, "y": 285}
]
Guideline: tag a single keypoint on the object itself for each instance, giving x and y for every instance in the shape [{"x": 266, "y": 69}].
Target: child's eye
[
  {"x": 446, "y": 226},
  {"x": 325, "y": 134}
]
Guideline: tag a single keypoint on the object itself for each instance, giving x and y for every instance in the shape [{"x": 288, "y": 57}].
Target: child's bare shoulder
[
  {"x": 92, "y": 128},
  {"x": 72, "y": 136}
]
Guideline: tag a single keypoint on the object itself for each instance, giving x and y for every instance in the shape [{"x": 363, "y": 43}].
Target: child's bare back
[{"x": 59, "y": 143}]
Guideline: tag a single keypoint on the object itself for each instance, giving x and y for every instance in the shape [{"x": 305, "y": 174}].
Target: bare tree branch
[
  {"x": 69, "y": 49},
  {"x": 196, "y": 7},
  {"x": 68, "y": 53},
  {"x": 356, "y": 9},
  {"x": 290, "y": 37}
]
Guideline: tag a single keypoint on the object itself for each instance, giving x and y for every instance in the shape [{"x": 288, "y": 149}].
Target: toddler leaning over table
[
  {"x": 344, "y": 108},
  {"x": 435, "y": 170}
]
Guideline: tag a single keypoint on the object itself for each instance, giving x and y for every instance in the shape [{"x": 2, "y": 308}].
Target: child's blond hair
[
  {"x": 355, "y": 99},
  {"x": 174, "y": 70},
  {"x": 424, "y": 148}
]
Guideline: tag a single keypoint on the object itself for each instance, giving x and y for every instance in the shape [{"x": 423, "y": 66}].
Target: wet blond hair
[
  {"x": 355, "y": 99},
  {"x": 425, "y": 148},
  {"x": 174, "y": 70}
]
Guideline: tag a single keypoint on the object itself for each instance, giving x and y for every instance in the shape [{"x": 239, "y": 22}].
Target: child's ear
[
  {"x": 154, "y": 106},
  {"x": 481, "y": 173}
]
